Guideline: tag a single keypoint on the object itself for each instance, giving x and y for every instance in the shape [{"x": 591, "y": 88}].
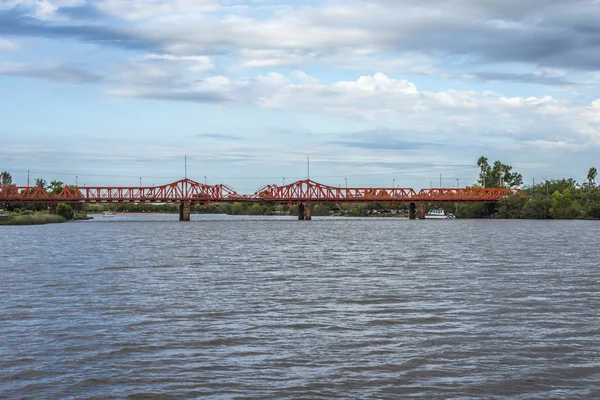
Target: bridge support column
[
  {"x": 300, "y": 212},
  {"x": 307, "y": 212},
  {"x": 184, "y": 212},
  {"x": 412, "y": 211},
  {"x": 421, "y": 210},
  {"x": 52, "y": 208}
]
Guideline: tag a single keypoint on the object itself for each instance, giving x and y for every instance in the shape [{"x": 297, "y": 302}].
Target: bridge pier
[
  {"x": 412, "y": 211},
  {"x": 304, "y": 212},
  {"x": 52, "y": 208},
  {"x": 421, "y": 210},
  {"x": 184, "y": 211},
  {"x": 300, "y": 212}
]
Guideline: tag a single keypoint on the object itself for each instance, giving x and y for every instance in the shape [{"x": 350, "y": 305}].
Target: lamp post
[
  {"x": 205, "y": 180},
  {"x": 457, "y": 183},
  {"x": 76, "y": 185},
  {"x": 140, "y": 181},
  {"x": 346, "y": 179},
  {"x": 394, "y": 183},
  {"x": 283, "y": 182}
]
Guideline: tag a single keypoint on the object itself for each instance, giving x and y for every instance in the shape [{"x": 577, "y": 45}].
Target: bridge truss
[{"x": 303, "y": 191}]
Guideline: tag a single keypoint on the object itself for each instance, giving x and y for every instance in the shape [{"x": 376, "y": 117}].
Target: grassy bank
[{"x": 33, "y": 219}]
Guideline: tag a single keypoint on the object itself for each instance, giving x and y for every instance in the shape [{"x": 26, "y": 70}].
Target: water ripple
[{"x": 144, "y": 307}]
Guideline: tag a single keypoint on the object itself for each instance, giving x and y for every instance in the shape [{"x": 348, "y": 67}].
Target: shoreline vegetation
[
  {"x": 33, "y": 219},
  {"x": 550, "y": 199}
]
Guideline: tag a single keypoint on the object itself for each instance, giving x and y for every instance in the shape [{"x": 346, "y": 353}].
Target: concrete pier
[
  {"x": 52, "y": 208},
  {"x": 307, "y": 212},
  {"x": 421, "y": 210},
  {"x": 184, "y": 212},
  {"x": 304, "y": 212},
  {"x": 412, "y": 211}
]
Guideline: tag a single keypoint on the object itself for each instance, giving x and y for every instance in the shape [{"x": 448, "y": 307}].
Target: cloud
[
  {"x": 385, "y": 139},
  {"x": 523, "y": 78},
  {"x": 218, "y": 136},
  {"x": 16, "y": 23},
  {"x": 549, "y": 34},
  {"x": 7, "y": 45},
  {"x": 64, "y": 73},
  {"x": 196, "y": 63}
]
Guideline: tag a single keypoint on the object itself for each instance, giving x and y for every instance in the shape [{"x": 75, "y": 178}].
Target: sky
[{"x": 374, "y": 93}]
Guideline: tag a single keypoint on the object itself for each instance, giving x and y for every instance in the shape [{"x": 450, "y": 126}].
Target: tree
[
  {"x": 65, "y": 211},
  {"x": 497, "y": 175},
  {"x": 563, "y": 205},
  {"x": 591, "y": 176},
  {"x": 41, "y": 183},
  {"x": 56, "y": 187},
  {"x": 5, "y": 179}
]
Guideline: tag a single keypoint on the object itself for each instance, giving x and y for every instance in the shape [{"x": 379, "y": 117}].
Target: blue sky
[{"x": 109, "y": 91}]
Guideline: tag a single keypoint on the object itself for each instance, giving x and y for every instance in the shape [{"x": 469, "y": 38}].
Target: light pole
[
  {"x": 140, "y": 181},
  {"x": 205, "y": 180},
  {"x": 394, "y": 183},
  {"x": 346, "y": 179},
  {"x": 457, "y": 183},
  {"x": 76, "y": 181},
  {"x": 283, "y": 182}
]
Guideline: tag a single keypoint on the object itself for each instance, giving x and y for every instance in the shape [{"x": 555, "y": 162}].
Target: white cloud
[
  {"x": 196, "y": 63},
  {"x": 8, "y": 45},
  {"x": 166, "y": 11}
]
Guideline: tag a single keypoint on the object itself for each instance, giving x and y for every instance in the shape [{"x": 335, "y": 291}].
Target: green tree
[
  {"x": 512, "y": 207},
  {"x": 237, "y": 208},
  {"x": 537, "y": 207},
  {"x": 41, "y": 183},
  {"x": 497, "y": 175},
  {"x": 591, "y": 176},
  {"x": 56, "y": 187},
  {"x": 65, "y": 211},
  {"x": 5, "y": 179},
  {"x": 563, "y": 205}
]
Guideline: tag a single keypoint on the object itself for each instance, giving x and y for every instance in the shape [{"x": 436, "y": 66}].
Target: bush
[
  {"x": 65, "y": 211},
  {"x": 33, "y": 219}
]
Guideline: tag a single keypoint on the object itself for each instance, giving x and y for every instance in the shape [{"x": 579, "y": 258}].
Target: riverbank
[{"x": 33, "y": 219}]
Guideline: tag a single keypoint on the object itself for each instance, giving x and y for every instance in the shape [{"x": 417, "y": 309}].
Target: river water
[{"x": 144, "y": 306}]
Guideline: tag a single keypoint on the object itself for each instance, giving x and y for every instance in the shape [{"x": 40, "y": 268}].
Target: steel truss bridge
[{"x": 303, "y": 192}]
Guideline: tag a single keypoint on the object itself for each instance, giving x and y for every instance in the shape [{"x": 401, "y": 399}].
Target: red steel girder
[{"x": 304, "y": 191}]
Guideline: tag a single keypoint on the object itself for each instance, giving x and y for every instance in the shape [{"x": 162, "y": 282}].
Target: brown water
[{"x": 238, "y": 307}]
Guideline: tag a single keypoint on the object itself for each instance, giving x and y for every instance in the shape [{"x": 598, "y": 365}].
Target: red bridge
[{"x": 303, "y": 193}]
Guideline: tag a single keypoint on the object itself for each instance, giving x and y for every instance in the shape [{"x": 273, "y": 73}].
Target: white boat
[
  {"x": 438, "y": 213},
  {"x": 108, "y": 214}
]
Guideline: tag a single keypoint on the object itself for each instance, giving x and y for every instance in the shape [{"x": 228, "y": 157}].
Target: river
[{"x": 145, "y": 306}]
